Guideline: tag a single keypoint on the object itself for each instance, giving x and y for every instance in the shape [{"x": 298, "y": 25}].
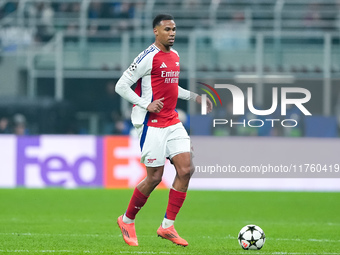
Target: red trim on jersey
[{"x": 138, "y": 89}]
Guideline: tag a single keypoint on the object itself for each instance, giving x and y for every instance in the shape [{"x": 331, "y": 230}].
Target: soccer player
[{"x": 162, "y": 135}]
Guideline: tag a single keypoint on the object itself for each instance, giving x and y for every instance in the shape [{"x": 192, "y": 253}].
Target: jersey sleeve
[
  {"x": 140, "y": 67},
  {"x": 186, "y": 94},
  {"x": 123, "y": 88}
]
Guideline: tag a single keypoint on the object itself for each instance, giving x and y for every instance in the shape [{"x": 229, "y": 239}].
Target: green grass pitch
[{"x": 83, "y": 221}]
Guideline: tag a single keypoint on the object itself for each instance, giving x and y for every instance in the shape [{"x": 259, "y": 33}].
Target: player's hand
[
  {"x": 209, "y": 103},
  {"x": 156, "y": 106}
]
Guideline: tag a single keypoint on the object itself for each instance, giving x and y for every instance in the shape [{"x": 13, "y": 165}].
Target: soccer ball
[{"x": 251, "y": 237}]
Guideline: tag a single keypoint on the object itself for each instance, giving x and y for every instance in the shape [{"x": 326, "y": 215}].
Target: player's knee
[
  {"x": 154, "y": 180},
  {"x": 185, "y": 173}
]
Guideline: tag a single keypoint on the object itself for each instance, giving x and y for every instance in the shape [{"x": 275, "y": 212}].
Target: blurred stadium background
[{"x": 60, "y": 60}]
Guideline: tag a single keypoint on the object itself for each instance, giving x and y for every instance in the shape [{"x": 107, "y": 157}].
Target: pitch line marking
[{"x": 204, "y": 237}]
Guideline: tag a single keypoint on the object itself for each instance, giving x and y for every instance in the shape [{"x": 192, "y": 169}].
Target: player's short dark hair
[{"x": 160, "y": 17}]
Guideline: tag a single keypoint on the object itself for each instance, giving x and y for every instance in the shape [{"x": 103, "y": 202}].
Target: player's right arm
[
  {"x": 130, "y": 77},
  {"x": 123, "y": 88},
  {"x": 140, "y": 68}
]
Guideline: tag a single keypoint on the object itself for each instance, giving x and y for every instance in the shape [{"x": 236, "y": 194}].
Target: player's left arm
[{"x": 188, "y": 95}]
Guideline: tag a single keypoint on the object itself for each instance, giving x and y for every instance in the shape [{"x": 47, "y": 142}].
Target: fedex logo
[
  {"x": 47, "y": 161},
  {"x": 72, "y": 161}
]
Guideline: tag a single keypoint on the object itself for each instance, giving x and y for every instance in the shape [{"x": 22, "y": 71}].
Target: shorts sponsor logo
[{"x": 151, "y": 160}]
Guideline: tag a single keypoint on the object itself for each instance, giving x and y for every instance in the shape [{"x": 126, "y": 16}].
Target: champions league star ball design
[
  {"x": 251, "y": 237},
  {"x": 133, "y": 66}
]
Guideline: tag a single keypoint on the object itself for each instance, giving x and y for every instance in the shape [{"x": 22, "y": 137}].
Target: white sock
[
  {"x": 127, "y": 220},
  {"x": 167, "y": 223}
]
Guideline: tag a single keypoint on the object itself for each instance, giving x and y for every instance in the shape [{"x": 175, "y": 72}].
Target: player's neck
[{"x": 162, "y": 47}]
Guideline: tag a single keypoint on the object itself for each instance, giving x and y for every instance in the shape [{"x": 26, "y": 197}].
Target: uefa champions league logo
[
  {"x": 133, "y": 67},
  {"x": 239, "y": 105}
]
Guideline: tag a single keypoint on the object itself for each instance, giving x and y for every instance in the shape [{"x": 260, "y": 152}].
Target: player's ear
[{"x": 155, "y": 31}]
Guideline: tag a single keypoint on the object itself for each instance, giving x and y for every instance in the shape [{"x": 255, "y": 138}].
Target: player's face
[{"x": 165, "y": 33}]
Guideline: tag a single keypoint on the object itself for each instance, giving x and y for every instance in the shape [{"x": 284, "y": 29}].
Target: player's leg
[
  {"x": 177, "y": 194},
  {"x": 153, "y": 178},
  {"x": 179, "y": 152},
  {"x": 153, "y": 156},
  {"x": 179, "y": 148},
  {"x": 184, "y": 170},
  {"x": 142, "y": 192},
  {"x": 126, "y": 222}
]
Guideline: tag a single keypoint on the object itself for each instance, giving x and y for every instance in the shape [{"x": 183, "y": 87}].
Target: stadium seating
[{"x": 102, "y": 19}]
